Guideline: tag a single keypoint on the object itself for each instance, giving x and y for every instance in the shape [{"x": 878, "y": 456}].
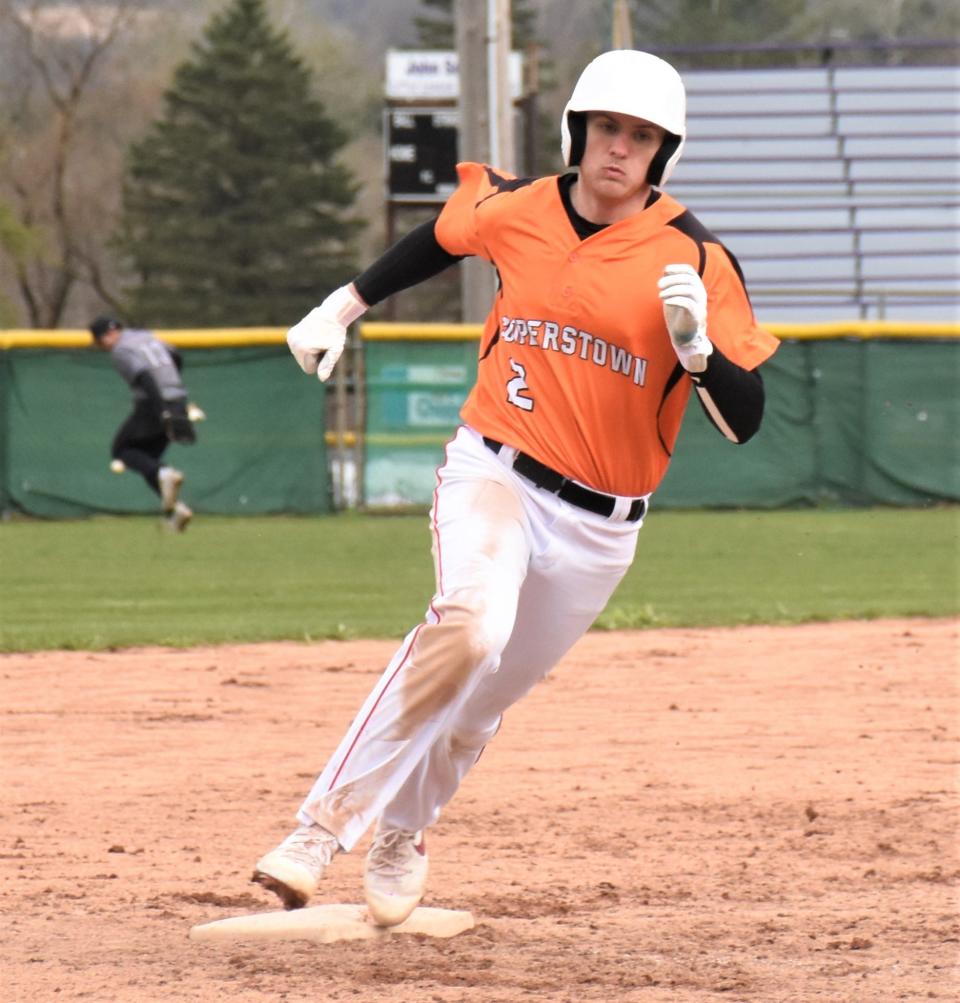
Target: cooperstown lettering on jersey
[
  {"x": 550, "y": 336},
  {"x": 595, "y": 396}
]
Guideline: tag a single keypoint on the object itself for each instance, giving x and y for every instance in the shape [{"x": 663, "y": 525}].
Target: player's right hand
[{"x": 317, "y": 342}]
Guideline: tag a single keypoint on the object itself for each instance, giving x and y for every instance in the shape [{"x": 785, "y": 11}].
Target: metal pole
[
  {"x": 499, "y": 97},
  {"x": 493, "y": 82},
  {"x": 340, "y": 377},
  {"x": 622, "y": 34},
  {"x": 476, "y": 275},
  {"x": 390, "y": 238},
  {"x": 531, "y": 89}
]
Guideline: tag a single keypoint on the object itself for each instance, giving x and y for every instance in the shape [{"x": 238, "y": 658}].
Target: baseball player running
[
  {"x": 614, "y": 303},
  {"x": 160, "y": 416}
]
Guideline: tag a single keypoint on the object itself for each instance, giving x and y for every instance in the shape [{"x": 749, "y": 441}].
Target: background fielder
[
  {"x": 160, "y": 416},
  {"x": 613, "y": 303}
]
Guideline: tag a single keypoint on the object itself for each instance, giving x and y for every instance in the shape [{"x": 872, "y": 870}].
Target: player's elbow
[
  {"x": 746, "y": 430},
  {"x": 736, "y": 424}
]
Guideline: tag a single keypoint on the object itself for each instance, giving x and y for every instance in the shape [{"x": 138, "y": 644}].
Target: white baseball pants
[{"x": 520, "y": 577}]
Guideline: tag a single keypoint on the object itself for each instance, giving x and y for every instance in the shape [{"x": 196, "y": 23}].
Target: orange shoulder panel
[
  {"x": 731, "y": 324},
  {"x": 456, "y": 228}
]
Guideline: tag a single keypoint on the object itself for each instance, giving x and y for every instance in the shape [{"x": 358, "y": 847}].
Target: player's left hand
[{"x": 684, "y": 298}]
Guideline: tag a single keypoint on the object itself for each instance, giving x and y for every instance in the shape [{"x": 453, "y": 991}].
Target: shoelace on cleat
[
  {"x": 313, "y": 850},
  {"x": 386, "y": 853}
]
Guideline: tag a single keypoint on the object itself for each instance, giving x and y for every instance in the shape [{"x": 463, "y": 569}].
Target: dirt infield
[{"x": 756, "y": 814}]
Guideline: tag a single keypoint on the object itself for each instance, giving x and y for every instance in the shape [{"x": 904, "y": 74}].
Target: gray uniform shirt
[{"x": 137, "y": 351}]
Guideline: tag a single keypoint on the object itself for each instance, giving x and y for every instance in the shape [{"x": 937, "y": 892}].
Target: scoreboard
[{"x": 421, "y": 150}]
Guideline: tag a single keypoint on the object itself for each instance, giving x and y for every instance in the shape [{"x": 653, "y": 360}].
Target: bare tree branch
[{"x": 65, "y": 81}]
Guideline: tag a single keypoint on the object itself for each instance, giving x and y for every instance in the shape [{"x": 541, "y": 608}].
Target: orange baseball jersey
[{"x": 576, "y": 367}]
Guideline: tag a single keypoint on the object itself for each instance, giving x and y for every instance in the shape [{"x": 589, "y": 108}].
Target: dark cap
[{"x": 102, "y": 325}]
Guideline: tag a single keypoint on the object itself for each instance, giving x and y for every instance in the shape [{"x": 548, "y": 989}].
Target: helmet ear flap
[
  {"x": 577, "y": 126},
  {"x": 658, "y": 166}
]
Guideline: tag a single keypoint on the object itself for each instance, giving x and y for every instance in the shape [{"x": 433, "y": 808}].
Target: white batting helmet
[{"x": 630, "y": 83}]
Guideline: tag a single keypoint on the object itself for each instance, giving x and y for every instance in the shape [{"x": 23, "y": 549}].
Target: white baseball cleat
[
  {"x": 179, "y": 518},
  {"x": 293, "y": 870},
  {"x": 395, "y": 876},
  {"x": 169, "y": 479}
]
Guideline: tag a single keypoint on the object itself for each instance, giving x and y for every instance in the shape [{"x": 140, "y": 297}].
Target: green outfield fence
[
  {"x": 261, "y": 448},
  {"x": 859, "y": 413}
]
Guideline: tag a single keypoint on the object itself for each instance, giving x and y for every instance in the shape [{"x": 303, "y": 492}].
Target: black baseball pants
[{"x": 140, "y": 443}]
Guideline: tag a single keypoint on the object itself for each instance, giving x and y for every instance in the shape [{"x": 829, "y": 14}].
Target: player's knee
[
  {"x": 475, "y": 625},
  {"x": 449, "y": 657}
]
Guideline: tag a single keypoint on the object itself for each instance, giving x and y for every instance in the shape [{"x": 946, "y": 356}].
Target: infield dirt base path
[{"x": 676, "y": 816}]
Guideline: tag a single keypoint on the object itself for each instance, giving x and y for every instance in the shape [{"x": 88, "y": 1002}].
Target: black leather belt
[{"x": 569, "y": 491}]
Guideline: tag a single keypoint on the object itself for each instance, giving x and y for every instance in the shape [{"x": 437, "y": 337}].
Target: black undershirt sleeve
[
  {"x": 736, "y": 393},
  {"x": 412, "y": 259}
]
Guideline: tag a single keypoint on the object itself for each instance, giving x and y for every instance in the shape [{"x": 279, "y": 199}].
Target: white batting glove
[
  {"x": 684, "y": 299},
  {"x": 317, "y": 341}
]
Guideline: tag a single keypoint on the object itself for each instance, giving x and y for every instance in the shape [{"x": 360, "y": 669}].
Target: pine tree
[
  {"x": 692, "y": 24},
  {"x": 235, "y": 212}
]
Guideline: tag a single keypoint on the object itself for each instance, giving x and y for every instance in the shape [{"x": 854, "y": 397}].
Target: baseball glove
[{"x": 177, "y": 424}]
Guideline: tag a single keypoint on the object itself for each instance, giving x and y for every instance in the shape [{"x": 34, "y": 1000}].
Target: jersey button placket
[{"x": 567, "y": 289}]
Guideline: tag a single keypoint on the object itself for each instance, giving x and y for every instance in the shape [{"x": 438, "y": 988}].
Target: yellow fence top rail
[
  {"x": 226, "y": 337},
  {"x": 420, "y": 332},
  {"x": 839, "y": 329},
  {"x": 382, "y": 331},
  {"x": 865, "y": 329}
]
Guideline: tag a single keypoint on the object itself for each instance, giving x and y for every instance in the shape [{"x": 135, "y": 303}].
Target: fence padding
[
  {"x": 848, "y": 422},
  {"x": 261, "y": 448},
  {"x": 860, "y": 420}
]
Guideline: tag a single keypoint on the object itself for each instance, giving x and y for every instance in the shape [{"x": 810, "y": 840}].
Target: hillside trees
[
  {"x": 435, "y": 24},
  {"x": 16, "y": 242},
  {"x": 235, "y": 209},
  {"x": 50, "y": 127},
  {"x": 693, "y": 23}
]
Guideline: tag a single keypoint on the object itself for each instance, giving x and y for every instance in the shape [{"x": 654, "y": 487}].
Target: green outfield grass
[{"x": 116, "y": 582}]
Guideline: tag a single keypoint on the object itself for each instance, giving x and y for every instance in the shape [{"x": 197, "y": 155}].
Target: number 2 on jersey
[{"x": 516, "y": 387}]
